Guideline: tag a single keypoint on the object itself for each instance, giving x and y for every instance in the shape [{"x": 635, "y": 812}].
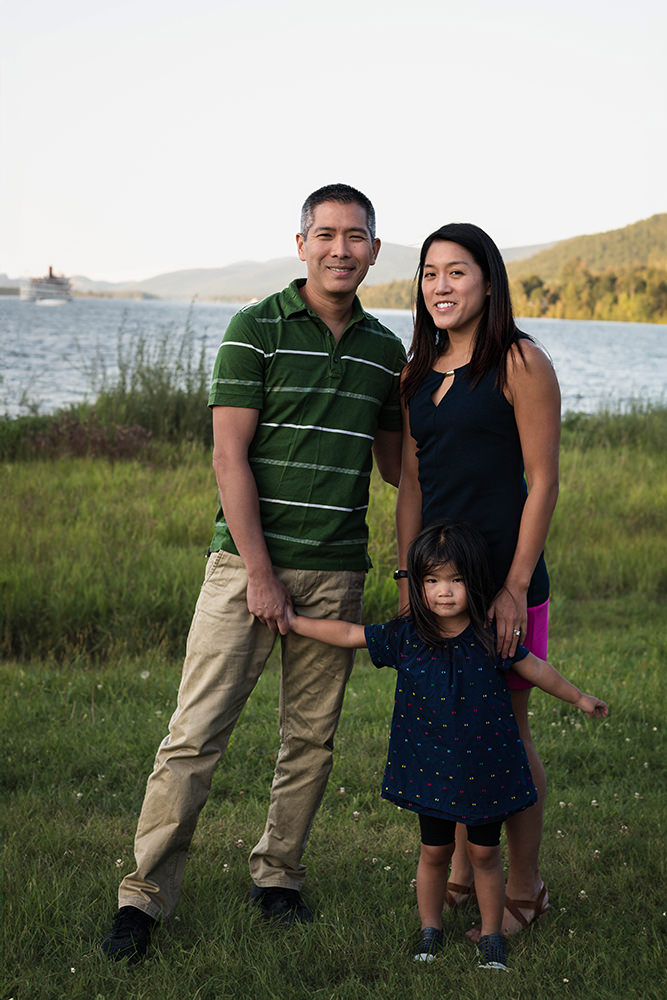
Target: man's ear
[{"x": 300, "y": 240}]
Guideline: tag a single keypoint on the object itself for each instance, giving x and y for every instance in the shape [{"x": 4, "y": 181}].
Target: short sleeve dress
[{"x": 454, "y": 748}]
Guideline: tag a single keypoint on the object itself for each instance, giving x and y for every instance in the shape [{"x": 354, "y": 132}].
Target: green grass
[
  {"x": 100, "y": 564},
  {"x": 78, "y": 744},
  {"x": 99, "y": 554}
]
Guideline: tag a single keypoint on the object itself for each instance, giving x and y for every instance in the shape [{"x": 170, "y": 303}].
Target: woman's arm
[
  {"x": 532, "y": 389},
  {"x": 408, "y": 504},
  {"x": 330, "y": 630},
  {"x": 546, "y": 677}
]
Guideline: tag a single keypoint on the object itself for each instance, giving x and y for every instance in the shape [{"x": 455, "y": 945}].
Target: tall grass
[
  {"x": 162, "y": 386},
  {"x": 98, "y": 555},
  {"x": 158, "y": 394}
]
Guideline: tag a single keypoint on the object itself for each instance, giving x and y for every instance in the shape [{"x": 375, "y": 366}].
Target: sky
[{"x": 143, "y": 137}]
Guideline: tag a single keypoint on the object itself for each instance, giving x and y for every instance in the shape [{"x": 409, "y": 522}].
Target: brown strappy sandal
[
  {"x": 538, "y": 906},
  {"x": 463, "y": 890}
]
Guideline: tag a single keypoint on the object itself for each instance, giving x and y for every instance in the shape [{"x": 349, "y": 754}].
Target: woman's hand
[{"x": 511, "y": 615}]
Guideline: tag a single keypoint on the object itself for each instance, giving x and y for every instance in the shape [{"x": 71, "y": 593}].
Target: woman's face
[{"x": 454, "y": 288}]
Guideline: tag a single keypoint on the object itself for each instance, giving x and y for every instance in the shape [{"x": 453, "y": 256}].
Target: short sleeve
[
  {"x": 382, "y": 642},
  {"x": 238, "y": 373},
  {"x": 520, "y": 653}
]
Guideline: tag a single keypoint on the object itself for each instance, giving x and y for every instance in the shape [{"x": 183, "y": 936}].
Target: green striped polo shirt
[{"x": 321, "y": 404}]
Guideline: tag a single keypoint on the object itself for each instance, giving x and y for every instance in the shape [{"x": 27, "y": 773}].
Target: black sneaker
[
  {"x": 429, "y": 944},
  {"x": 276, "y": 903},
  {"x": 130, "y": 935},
  {"x": 492, "y": 952}
]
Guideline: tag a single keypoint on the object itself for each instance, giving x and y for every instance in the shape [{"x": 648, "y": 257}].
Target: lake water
[{"x": 51, "y": 356}]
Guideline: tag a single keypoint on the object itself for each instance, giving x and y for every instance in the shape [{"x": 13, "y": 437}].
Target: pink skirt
[{"x": 537, "y": 638}]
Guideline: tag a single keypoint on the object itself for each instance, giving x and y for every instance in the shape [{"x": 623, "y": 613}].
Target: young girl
[{"x": 455, "y": 754}]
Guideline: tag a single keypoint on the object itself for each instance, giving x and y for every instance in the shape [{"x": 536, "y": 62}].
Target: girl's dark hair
[
  {"x": 464, "y": 547},
  {"x": 497, "y": 331}
]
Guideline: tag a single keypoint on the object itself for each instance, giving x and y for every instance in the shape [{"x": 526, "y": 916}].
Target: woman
[{"x": 481, "y": 438}]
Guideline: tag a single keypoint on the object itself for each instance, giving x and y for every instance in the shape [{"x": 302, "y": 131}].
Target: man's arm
[
  {"x": 233, "y": 430},
  {"x": 387, "y": 455}
]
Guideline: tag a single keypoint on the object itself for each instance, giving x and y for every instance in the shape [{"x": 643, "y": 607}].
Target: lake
[{"x": 52, "y": 356}]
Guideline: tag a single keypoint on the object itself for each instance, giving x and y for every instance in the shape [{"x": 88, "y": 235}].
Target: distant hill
[
  {"x": 253, "y": 279},
  {"x": 641, "y": 244},
  {"x": 8, "y": 284},
  {"x": 247, "y": 279}
]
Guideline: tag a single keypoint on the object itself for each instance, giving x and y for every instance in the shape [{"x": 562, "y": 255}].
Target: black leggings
[{"x": 440, "y": 832}]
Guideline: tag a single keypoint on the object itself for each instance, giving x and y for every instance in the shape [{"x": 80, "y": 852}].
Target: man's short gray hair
[{"x": 342, "y": 193}]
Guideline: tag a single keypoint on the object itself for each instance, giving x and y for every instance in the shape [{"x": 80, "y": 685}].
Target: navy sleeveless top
[{"x": 471, "y": 466}]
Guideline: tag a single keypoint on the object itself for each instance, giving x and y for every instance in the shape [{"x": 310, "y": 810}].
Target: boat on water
[{"x": 50, "y": 290}]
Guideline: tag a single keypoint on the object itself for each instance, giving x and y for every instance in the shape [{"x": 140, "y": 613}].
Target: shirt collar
[{"x": 293, "y": 303}]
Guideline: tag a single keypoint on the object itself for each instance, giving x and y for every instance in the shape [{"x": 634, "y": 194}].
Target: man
[{"x": 305, "y": 391}]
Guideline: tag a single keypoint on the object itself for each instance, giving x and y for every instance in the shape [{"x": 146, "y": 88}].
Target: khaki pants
[{"x": 226, "y": 652}]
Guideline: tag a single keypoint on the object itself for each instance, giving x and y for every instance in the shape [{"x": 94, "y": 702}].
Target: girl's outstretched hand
[
  {"x": 593, "y": 707},
  {"x": 286, "y": 625}
]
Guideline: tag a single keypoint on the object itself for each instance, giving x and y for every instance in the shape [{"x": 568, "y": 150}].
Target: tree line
[{"x": 628, "y": 295}]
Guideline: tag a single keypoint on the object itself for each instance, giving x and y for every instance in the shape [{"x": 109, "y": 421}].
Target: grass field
[
  {"x": 78, "y": 745},
  {"x": 101, "y": 563}
]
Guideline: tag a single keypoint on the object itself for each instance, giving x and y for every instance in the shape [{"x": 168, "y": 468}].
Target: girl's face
[
  {"x": 454, "y": 288},
  {"x": 445, "y": 594}
]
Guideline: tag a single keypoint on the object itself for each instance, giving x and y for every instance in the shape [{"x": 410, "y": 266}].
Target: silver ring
[{"x": 517, "y": 631}]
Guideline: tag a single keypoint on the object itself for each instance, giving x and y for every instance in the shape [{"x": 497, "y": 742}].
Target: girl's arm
[
  {"x": 330, "y": 630},
  {"x": 546, "y": 677},
  {"x": 532, "y": 389}
]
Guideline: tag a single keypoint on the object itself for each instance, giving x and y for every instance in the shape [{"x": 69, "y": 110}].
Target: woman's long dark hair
[
  {"x": 497, "y": 331},
  {"x": 464, "y": 547}
]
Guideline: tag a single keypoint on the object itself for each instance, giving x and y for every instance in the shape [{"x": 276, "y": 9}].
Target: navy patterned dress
[{"x": 454, "y": 748}]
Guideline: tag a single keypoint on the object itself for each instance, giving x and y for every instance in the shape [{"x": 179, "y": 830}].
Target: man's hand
[{"x": 268, "y": 599}]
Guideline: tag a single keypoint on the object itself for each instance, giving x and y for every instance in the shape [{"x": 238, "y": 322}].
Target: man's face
[{"x": 338, "y": 249}]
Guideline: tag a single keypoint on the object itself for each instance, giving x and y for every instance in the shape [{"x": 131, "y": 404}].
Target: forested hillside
[
  {"x": 619, "y": 275},
  {"x": 642, "y": 244}
]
